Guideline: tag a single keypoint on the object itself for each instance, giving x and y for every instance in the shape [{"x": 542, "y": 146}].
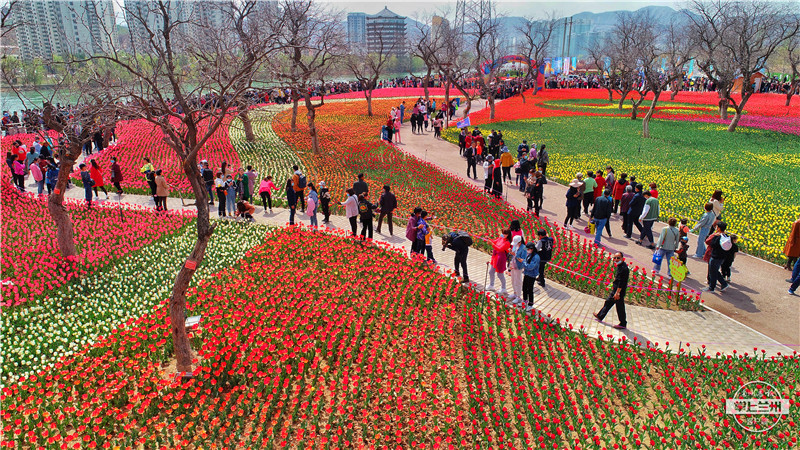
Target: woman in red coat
[
  {"x": 97, "y": 177},
  {"x": 619, "y": 189},
  {"x": 500, "y": 247}
]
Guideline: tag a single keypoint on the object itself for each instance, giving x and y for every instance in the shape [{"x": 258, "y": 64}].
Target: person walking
[
  {"x": 721, "y": 245},
  {"x": 472, "y": 163},
  {"x": 619, "y": 189},
  {"x": 792, "y": 248},
  {"x": 366, "y": 214},
  {"x": 313, "y": 202},
  {"x": 795, "y": 279},
  {"x": 325, "y": 201},
  {"x": 162, "y": 191},
  {"x": 497, "y": 179},
  {"x": 617, "y": 295},
  {"x": 230, "y": 195},
  {"x": 531, "y": 264},
  {"x": 517, "y": 256},
  {"x": 51, "y": 176},
  {"x": 506, "y": 161},
  {"x": 245, "y": 185},
  {"x": 97, "y": 176},
  {"x": 624, "y": 207},
  {"x": 19, "y": 174},
  {"x": 488, "y": 169},
  {"x": 265, "y": 189},
  {"x": 573, "y": 203},
  {"x": 497, "y": 265},
  {"x": 588, "y": 196},
  {"x": 219, "y": 184},
  {"x": 291, "y": 199},
  {"x": 648, "y": 217},
  {"x": 544, "y": 160},
  {"x": 208, "y": 179},
  {"x": 725, "y": 268},
  {"x": 459, "y": 243},
  {"x": 36, "y": 172},
  {"x": 360, "y": 186},
  {"x": 386, "y": 204},
  {"x": 718, "y": 203},
  {"x": 544, "y": 248},
  {"x": 86, "y": 179},
  {"x": 351, "y": 209},
  {"x": 411, "y": 229},
  {"x": 634, "y": 211},
  {"x": 299, "y": 185},
  {"x": 601, "y": 213},
  {"x": 704, "y": 225},
  {"x": 668, "y": 242},
  {"x": 116, "y": 178}
]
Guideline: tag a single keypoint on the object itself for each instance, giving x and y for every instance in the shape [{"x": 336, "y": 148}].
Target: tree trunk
[
  {"x": 368, "y": 95},
  {"x": 446, "y": 99},
  {"x": 491, "y": 106},
  {"x": 247, "y": 124},
  {"x": 649, "y": 115},
  {"x": 735, "y": 121},
  {"x": 723, "y": 108},
  {"x": 65, "y": 231},
  {"x": 623, "y": 95},
  {"x": 294, "y": 113},
  {"x": 535, "y": 84},
  {"x": 177, "y": 301},
  {"x": 311, "y": 115},
  {"x": 426, "y": 83},
  {"x": 789, "y": 95}
]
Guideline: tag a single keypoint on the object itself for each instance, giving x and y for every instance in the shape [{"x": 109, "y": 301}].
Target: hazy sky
[{"x": 511, "y": 8}]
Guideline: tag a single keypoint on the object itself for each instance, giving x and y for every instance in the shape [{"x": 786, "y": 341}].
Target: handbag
[{"x": 658, "y": 256}]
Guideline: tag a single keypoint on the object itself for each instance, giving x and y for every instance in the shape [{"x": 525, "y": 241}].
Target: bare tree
[
  {"x": 602, "y": 56},
  {"x": 536, "y": 41},
  {"x": 425, "y": 44},
  {"x": 177, "y": 61},
  {"x": 735, "y": 40},
  {"x": 367, "y": 67},
  {"x": 670, "y": 53},
  {"x": 627, "y": 37},
  {"x": 793, "y": 61},
  {"x": 7, "y": 22},
  {"x": 483, "y": 27},
  {"x": 456, "y": 65},
  {"x": 310, "y": 39}
]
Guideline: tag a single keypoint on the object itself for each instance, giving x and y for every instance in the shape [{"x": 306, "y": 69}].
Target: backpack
[
  {"x": 725, "y": 242},
  {"x": 465, "y": 238},
  {"x": 301, "y": 181},
  {"x": 546, "y": 253},
  {"x": 363, "y": 208},
  {"x": 469, "y": 153}
]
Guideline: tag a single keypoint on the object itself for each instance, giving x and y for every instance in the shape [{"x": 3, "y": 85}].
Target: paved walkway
[
  {"x": 758, "y": 294},
  {"x": 717, "y": 332}
]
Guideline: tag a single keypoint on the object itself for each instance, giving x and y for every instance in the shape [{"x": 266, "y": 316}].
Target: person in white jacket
[{"x": 351, "y": 209}]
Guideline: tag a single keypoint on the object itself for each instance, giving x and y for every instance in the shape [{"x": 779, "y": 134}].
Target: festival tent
[{"x": 754, "y": 79}]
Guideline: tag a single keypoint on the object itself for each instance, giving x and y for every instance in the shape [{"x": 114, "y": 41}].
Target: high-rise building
[
  {"x": 439, "y": 28},
  {"x": 356, "y": 30},
  {"x": 46, "y": 28},
  {"x": 386, "y": 32}
]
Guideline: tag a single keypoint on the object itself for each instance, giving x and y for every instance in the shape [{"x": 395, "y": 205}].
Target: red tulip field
[
  {"x": 31, "y": 263},
  {"x": 137, "y": 139},
  {"x": 320, "y": 341},
  {"x": 455, "y": 204}
]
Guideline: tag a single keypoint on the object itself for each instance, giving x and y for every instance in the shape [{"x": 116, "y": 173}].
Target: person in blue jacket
[
  {"x": 51, "y": 177},
  {"x": 86, "y": 178},
  {"x": 530, "y": 264}
]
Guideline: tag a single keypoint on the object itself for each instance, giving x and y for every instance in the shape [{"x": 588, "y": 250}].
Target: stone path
[
  {"x": 758, "y": 294},
  {"x": 717, "y": 332}
]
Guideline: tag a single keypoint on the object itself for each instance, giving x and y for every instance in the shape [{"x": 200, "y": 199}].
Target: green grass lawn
[{"x": 757, "y": 170}]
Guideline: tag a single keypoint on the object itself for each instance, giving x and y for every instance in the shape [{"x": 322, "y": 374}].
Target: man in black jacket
[
  {"x": 387, "y": 204},
  {"x": 459, "y": 244},
  {"x": 634, "y": 211},
  {"x": 472, "y": 163},
  {"x": 617, "y": 294},
  {"x": 360, "y": 186},
  {"x": 719, "y": 253},
  {"x": 601, "y": 213}
]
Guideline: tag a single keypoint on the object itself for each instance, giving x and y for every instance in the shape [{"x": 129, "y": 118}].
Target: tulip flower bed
[
  {"x": 31, "y": 263},
  {"x": 67, "y": 320},
  {"x": 319, "y": 341},
  {"x": 350, "y": 147},
  {"x": 137, "y": 139},
  {"x": 688, "y": 161},
  {"x": 268, "y": 154}
]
